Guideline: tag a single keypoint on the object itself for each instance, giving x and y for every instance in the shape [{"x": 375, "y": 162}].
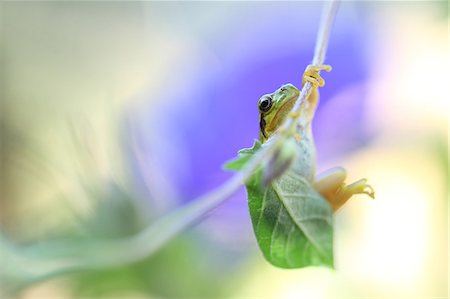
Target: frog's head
[{"x": 273, "y": 109}]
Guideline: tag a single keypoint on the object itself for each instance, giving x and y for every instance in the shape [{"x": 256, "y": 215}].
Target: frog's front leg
[
  {"x": 331, "y": 185},
  {"x": 312, "y": 74}
]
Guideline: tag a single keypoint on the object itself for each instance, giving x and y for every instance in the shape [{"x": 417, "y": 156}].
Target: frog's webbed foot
[
  {"x": 312, "y": 74},
  {"x": 358, "y": 187},
  {"x": 345, "y": 192},
  {"x": 331, "y": 185}
]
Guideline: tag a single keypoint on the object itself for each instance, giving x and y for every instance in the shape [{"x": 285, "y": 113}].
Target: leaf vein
[
  {"x": 286, "y": 247},
  {"x": 311, "y": 240},
  {"x": 280, "y": 209},
  {"x": 263, "y": 205}
]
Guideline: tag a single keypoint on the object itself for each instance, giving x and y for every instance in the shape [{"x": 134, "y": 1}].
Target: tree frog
[{"x": 273, "y": 110}]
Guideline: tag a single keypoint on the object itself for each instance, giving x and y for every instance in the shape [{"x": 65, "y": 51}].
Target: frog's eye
[{"x": 265, "y": 104}]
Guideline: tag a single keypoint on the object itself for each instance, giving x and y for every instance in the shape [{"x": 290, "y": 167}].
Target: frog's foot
[
  {"x": 297, "y": 137},
  {"x": 358, "y": 187},
  {"x": 331, "y": 186},
  {"x": 312, "y": 74}
]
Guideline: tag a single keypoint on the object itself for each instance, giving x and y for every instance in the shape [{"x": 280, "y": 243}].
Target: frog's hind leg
[{"x": 331, "y": 185}]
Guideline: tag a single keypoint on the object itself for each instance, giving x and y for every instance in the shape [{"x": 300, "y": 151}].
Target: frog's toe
[
  {"x": 318, "y": 68},
  {"x": 369, "y": 191},
  {"x": 312, "y": 74},
  {"x": 361, "y": 187},
  {"x": 316, "y": 81}
]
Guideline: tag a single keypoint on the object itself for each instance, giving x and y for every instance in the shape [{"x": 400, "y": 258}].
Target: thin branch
[
  {"x": 112, "y": 253},
  {"x": 329, "y": 14},
  {"x": 323, "y": 36}
]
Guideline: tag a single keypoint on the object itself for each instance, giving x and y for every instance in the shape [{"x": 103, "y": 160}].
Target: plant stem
[
  {"x": 323, "y": 36},
  {"x": 329, "y": 14}
]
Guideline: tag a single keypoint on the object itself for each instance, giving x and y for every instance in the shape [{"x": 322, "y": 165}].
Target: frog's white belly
[{"x": 305, "y": 163}]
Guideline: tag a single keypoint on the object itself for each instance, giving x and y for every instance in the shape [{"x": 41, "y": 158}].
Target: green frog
[{"x": 274, "y": 108}]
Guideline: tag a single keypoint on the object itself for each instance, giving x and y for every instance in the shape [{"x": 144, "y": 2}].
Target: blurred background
[{"x": 115, "y": 113}]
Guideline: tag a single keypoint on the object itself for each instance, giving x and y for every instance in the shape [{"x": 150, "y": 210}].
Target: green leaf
[
  {"x": 291, "y": 221},
  {"x": 244, "y": 156}
]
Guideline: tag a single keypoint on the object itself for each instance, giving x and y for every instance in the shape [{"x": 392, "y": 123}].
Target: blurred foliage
[
  {"x": 182, "y": 268},
  {"x": 114, "y": 214},
  {"x": 175, "y": 271},
  {"x": 179, "y": 269}
]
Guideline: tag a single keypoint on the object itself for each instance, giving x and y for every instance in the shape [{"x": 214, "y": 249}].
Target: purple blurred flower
[{"x": 269, "y": 46}]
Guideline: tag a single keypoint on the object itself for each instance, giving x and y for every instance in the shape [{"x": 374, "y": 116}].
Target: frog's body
[
  {"x": 282, "y": 101},
  {"x": 273, "y": 110}
]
